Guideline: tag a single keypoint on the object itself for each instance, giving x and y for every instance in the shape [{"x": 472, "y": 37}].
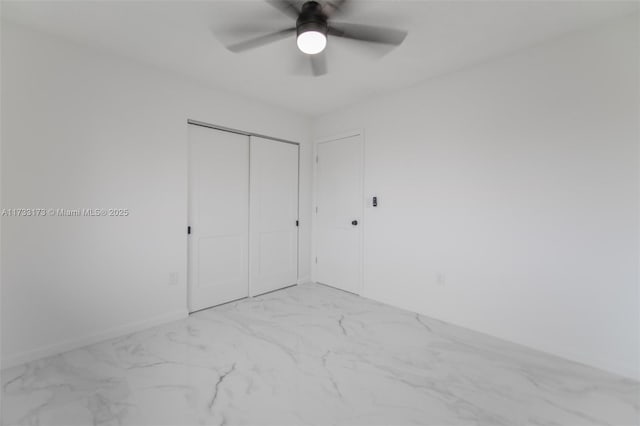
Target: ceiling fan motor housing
[{"x": 311, "y": 18}]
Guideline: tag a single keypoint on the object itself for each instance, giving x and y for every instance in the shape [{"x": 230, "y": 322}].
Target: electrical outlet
[{"x": 174, "y": 278}]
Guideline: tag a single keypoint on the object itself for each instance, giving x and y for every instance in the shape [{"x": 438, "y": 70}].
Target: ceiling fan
[{"x": 314, "y": 24}]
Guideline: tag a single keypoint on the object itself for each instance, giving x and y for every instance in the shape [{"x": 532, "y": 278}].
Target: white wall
[
  {"x": 517, "y": 181},
  {"x": 81, "y": 129}
]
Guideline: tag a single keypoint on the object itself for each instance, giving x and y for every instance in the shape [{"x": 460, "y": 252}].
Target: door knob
[{"x": 354, "y": 222}]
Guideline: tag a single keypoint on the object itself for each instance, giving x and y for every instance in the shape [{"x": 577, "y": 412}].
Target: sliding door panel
[
  {"x": 273, "y": 215},
  {"x": 218, "y": 217}
]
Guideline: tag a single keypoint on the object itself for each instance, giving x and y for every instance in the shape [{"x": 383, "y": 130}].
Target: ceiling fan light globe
[{"x": 311, "y": 42}]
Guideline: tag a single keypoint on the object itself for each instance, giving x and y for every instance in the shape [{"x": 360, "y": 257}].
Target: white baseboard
[
  {"x": 607, "y": 365},
  {"x": 71, "y": 344}
]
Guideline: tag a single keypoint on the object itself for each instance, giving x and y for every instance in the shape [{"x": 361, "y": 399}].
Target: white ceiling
[{"x": 179, "y": 35}]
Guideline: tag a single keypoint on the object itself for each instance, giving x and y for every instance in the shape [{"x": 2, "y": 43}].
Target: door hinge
[
  {"x": 188, "y": 230},
  {"x": 316, "y": 209},
  {"x": 297, "y": 223},
  {"x": 316, "y": 260},
  {"x": 316, "y": 159}
]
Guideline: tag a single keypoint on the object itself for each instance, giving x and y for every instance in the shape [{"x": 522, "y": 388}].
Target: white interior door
[
  {"x": 339, "y": 198},
  {"x": 218, "y": 217},
  {"x": 273, "y": 215}
]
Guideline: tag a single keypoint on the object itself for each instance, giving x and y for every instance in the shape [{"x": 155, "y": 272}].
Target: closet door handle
[{"x": 354, "y": 222}]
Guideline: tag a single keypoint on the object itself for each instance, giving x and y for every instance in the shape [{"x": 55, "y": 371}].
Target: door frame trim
[{"x": 314, "y": 200}]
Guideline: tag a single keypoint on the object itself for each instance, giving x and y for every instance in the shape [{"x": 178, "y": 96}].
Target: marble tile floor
[{"x": 312, "y": 355}]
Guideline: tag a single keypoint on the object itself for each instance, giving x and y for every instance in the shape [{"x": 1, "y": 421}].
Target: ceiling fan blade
[
  {"x": 367, "y": 33},
  {"x": 318, "y": 64},
  {"x": 288, "y": 7},
  {"x": 333, "y": 7},
  {"x": 261, "y": 41}
]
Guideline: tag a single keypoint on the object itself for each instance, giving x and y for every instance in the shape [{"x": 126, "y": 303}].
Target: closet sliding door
[
  {"x": 218, "y": 217},
  {"x": 273, "y": 262}
]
